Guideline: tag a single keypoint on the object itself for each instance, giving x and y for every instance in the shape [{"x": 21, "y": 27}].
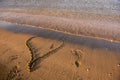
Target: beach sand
[
  {"x": 58, "y": 45},
  {"x": 59, "y": 56}
]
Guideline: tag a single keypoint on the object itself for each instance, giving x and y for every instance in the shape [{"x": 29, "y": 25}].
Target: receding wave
[{"x": 85, "y": 27}]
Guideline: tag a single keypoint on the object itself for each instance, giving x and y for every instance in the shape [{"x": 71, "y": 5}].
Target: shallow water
[{"x": 91, "y": 6}]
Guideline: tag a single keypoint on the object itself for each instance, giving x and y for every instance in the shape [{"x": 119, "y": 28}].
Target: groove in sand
[{"x": 34, "y": 59}]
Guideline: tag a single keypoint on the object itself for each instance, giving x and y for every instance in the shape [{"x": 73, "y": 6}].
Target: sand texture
[
  {"x": 28, "y": 53},
  {"x": 43, "y": 44}
]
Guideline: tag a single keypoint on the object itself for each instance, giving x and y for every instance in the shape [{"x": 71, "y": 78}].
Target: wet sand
[
  {"x": 101, "y": 26},
  {"x": 81, "y": 58}
]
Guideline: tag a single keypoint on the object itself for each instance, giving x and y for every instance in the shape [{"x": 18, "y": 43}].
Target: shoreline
[
  {"x": 106, "y": 28},
  {"x": 52, "y": 34},
  {"x": 110, "y": 39}
]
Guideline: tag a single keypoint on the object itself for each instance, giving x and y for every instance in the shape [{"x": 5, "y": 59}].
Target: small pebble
[
  {"x": 110, "y": 74},
  {"x": 118, "y": 65},
  {"x": 88, "y": 69}
]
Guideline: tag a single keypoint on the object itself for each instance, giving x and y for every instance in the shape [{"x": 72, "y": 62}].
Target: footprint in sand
[
  {"x": 14, "y": 74},
  {"x": 79, "y": 55}
]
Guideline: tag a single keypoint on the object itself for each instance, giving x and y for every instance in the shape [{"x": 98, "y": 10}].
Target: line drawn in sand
[{"x": 34, "y": 61}]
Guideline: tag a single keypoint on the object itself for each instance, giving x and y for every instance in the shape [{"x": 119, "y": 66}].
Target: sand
[
  {"x": 80, "y": 58},
  {"x": 58, "y": 45}
]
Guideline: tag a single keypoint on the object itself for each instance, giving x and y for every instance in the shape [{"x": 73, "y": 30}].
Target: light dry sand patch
[{"x": 94, "y": 64}]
